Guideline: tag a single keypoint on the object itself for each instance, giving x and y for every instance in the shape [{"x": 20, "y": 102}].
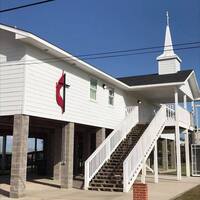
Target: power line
[
  {"x": 138, "y": 49},
  {"x": 72, "y": 58},
  {"x": 138, "y": 53},
  {"x": 128, "y": 50},
  {"x": 25, "y": 6}
]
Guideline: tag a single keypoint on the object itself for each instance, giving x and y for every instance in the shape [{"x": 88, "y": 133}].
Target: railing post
[
  {"x": 86, "y": 181},
  {"x": 143, "y": 171},
  {"x": 187, "y": 154},
  {"x": 108, "y": 150},
  {"x": 155, "y": 163},
  {"x": 125, "y": 178}
]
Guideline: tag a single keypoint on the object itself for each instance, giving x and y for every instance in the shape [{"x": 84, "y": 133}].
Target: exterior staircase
[{"x": 110, "y": 176}]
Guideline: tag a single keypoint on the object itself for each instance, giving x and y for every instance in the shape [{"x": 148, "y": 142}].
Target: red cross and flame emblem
[{"x": 61, "y": 84}]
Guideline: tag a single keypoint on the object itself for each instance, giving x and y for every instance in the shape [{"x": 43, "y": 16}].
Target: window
[
  {"x": 93, "y": 89},
  {"x": 111, "y": 96}
]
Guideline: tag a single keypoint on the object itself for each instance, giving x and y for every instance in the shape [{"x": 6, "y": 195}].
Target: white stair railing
[
  {"x": 108, "y": 146},
  {"x": 184, "y": 116},
  {"x": 134, "y": 161},
  {"x": 170, "y": 112}
]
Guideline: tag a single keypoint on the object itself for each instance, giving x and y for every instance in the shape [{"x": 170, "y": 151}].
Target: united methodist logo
[{"x": 61, "y": 84}]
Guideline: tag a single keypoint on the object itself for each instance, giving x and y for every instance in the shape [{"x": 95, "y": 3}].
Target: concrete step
[
  {"x": 106, "y": 189},
  {"x": 105, "y": 181}
]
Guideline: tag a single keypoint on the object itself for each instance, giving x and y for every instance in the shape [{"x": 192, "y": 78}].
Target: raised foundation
[
  {"x": 19, "y": 156},
  {"x": 67, "y": 156},
  {"x": 164, "y": 154},
  {"x": 100, "y": 136}
]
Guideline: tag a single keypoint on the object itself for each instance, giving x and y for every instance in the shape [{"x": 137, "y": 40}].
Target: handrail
[
  {"x": 170, "y": 112},
  {"x": 108, "y": 146},
  {"x": 133, "y": 163},
  {"x": 184, "y": 116}
]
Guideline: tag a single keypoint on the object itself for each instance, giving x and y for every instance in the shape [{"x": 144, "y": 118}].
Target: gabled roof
[
  {"x": 127, "y": 83},
  {"x": 151, "y": 79},
  {"x": 42, "y": 44}
]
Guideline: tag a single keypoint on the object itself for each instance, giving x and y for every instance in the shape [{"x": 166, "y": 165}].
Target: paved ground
[{"x": 43, "y": 189}]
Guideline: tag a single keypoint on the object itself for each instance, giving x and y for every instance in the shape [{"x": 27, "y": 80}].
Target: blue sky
[{"x": 91, "y": 26}]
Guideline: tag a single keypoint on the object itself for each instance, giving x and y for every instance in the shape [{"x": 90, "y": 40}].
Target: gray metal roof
[{"x": 151, "y": 79}]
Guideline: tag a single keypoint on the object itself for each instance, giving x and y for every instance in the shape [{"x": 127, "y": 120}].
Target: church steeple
[{"x": 168, "y": 61}]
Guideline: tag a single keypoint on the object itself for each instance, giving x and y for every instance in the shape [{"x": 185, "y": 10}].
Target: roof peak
[{"x": 168, "y": 51}]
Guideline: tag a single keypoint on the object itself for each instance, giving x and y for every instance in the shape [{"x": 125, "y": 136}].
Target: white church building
[{"x": 84, "y": 122}]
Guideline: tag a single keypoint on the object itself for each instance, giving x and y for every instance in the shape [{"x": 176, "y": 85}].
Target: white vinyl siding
[
  {"x": 11, "y": 74},
  {"x": 40, "y": 98},
  {"x": 30, "y": 89}
]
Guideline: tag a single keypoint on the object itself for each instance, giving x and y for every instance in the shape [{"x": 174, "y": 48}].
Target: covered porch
[{"x": 179, "y": 125}]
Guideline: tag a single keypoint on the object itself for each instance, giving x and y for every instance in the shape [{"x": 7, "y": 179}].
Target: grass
[{"x": 193, "y": 194}]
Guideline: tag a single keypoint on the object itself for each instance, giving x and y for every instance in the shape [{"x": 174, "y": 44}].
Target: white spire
[
  {"x": 168, "y": 46},
  {"x": 168, "y": 53}
]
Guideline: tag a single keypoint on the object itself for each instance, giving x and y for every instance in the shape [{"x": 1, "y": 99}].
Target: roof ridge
[{"x": 154, "y": 74}]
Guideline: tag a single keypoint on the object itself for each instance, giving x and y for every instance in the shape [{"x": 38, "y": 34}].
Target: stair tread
[{"x": 110, "y": 176}]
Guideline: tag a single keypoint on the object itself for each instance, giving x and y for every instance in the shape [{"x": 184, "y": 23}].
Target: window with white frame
[
  {"x": 93, "y": 89},
  {"x": 111, "y": 96}
]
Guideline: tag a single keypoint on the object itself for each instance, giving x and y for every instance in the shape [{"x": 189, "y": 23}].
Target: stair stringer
[
  {"x": 145, "y": 157},
  {"x": 135, "y": 172}
]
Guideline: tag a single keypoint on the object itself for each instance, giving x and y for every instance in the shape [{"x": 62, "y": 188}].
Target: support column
[
  {"x": 19, "y": 156},
  {"x": 76, "y": 155},
  {"x": 172, "y": 152},
  {"x": 3, "y": 160},
  {"x": 67, "y": 155},
  {"x": 86, "y": 145},
  {"x": 148, "y": 162},
  {"x": 35, "y": 167},
  {"x": 164, "y": 154},
  {"x": 57, "y": 153},
  {"x": 185, "y": 101},
  {"x": 155, "y": 160},
  {"x": 49, "y": 152},
  {"x": 187, "y": 154},
  {"x": 194, "y": 135},
  {"x": 100, "y": 136},
  {"x": 177, "y": 133},
  {"x": 143, "y": 172},
  {"x": 187, "y": 149}
]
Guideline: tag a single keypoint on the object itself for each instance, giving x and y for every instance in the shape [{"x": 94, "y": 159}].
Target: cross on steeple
[{"x": 167, "y": 14}]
